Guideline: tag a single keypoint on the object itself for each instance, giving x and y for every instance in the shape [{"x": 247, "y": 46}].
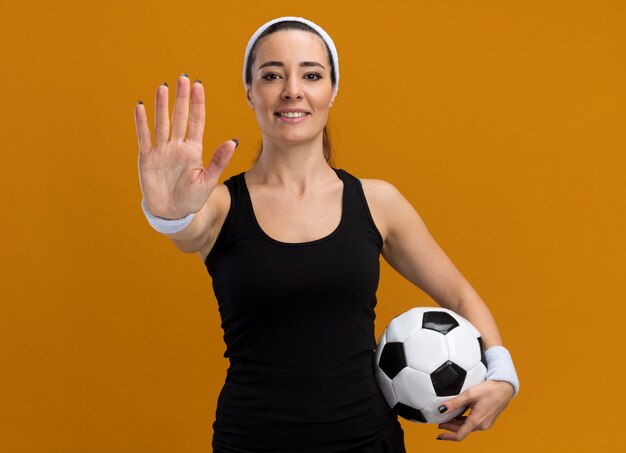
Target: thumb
[
  {"x": 220, "y": 159},
  {"x": 462, "y": 400}
]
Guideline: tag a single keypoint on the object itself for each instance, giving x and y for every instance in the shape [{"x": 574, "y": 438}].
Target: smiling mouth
[{"x": 292, "y": 114}]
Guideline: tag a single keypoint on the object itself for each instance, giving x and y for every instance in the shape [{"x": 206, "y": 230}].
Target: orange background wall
[{"x": 502, "y": 122}]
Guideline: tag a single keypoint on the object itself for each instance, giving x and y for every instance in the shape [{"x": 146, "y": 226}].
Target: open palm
[{"x": 173, "y": 179}]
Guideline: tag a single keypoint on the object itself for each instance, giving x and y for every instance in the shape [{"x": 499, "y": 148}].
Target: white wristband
[
  {"x": 500, "y": 366},
  {"x": 166, "y": 226}
]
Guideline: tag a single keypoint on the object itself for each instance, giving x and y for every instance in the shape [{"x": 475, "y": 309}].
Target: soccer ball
[{"x": 426, "y": 356}]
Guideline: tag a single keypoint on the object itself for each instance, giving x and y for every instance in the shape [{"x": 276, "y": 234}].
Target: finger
[
  {"x": 464, "y": 430},
  {"x": 219, "y": 161},
  {"x": 143, "y": 131},
  {"x": 181, "y": 109},
  {"x": 464, "y": 399},
  {"x": 162, "y": 116},
  {"x": 452, "y": 425},
  {"x": 196, "y": 118}
]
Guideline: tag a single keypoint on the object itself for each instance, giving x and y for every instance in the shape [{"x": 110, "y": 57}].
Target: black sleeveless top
[{"x": 298, "y": 322}]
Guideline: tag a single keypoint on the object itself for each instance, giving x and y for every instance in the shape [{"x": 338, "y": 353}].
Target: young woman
[{"x": 292, "y": 246}]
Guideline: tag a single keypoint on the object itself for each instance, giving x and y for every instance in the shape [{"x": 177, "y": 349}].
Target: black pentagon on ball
[
  {"x": 482, "y": 352},
  {"x": 409, "y": 413},
  {"x": 448, "y": 379},
  {"x": 439, "y": 321},
  {"x": 392, "y": 359}
]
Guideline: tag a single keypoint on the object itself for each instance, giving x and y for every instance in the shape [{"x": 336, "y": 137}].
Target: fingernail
[
  {"x": 185, "y": 74},
  {"x": 236, "y": 142},
  {"x": 165, "y": 84},
  {"x": 197, "y": 80},
  {"x": 442, "y": 408},
  {"x": 139, "y": 102}
]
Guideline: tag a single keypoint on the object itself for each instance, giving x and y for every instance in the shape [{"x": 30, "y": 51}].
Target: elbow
[{"x": 186, "y": 246}]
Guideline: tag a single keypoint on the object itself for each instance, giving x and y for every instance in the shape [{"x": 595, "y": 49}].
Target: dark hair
[{"x": 293, "y": 25}]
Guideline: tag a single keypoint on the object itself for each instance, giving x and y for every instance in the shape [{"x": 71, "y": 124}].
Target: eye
[
  {"x": 314, "y": 74},
  {"x": 269, "y": 76}
]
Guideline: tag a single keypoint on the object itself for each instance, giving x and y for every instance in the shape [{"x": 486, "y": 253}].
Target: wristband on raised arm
[{"x": 166, "y": 226}]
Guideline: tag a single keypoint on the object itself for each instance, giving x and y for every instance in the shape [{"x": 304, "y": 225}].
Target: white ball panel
[
  {"x": 474, "y": 376},
  {"x": 431, "y": 411},
  {"x": 426, "y": 350},
  {"x": 386, "y": 386},
  {"x": 463, "y": 348},
  {"x": 400, "y": 327},
  {"x": 413, "y": 388}
]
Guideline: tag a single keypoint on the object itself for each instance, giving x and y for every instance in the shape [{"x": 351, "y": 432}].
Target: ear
[{"x": 250, "y": 103}]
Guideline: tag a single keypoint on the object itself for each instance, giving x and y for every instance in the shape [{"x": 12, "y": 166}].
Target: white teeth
[{"x": 292, "y": 114}]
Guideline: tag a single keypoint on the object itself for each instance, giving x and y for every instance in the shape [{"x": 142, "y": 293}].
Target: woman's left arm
[{"x": 410, "y": 249}]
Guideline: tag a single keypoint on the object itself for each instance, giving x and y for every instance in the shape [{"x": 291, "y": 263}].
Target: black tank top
[{"x": 298, "y": 322}]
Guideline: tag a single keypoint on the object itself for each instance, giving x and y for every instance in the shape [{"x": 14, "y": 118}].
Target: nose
[{"x": 292, "y": 89}]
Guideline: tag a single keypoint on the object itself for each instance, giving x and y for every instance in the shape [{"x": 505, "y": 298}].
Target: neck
[{"x": 294, "y": 167}]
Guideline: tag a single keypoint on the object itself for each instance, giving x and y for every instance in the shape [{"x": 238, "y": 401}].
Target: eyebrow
[{"x": 302, "y": 64}]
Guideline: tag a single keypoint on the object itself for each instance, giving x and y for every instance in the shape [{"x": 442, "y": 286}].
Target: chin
[{"x": 293, "y": 138}]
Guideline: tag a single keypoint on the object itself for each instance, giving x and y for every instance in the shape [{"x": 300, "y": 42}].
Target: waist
[{"x": 284, "y": 369}]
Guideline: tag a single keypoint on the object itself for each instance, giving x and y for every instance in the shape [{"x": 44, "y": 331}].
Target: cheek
[
  {"x": 323, "y": 104},
  {"x": 324, "y": 97},
  {"x": 261, "y": 94}
]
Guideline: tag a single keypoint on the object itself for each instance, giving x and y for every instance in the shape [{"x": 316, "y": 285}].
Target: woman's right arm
[{"x": 173, "y": 180}]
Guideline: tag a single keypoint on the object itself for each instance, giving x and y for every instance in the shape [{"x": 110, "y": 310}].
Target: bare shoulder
[
  {"x": 219, "y": 203},
  {"x": 381, "y": 197},
  {"x": 378, "y": 188}
]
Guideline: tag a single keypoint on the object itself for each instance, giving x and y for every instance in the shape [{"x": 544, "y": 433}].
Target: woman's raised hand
[{"x": 173, "y": 179}]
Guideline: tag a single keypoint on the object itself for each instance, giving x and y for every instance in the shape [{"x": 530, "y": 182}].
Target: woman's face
[{"x": 291, "y": 71}]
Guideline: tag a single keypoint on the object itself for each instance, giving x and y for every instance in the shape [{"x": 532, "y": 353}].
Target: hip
[{"x": 388, "y": 440}]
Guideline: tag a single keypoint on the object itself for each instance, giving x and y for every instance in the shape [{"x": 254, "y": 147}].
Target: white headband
[{"x": 317, "y": 28}]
